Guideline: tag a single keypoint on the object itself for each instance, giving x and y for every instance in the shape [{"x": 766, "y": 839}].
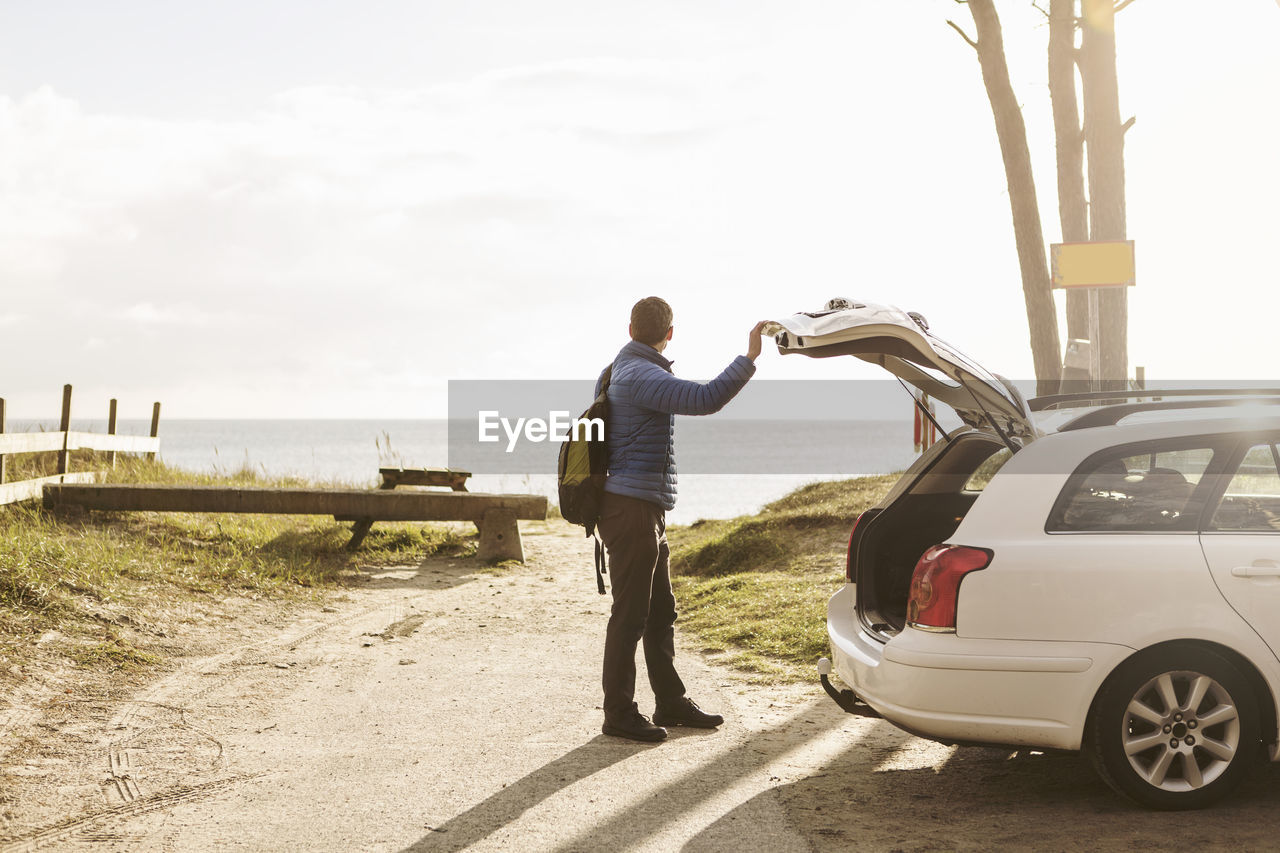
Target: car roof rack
[
  {"x": 1111, "y": 415},
  {"x": 1098, "y": 398}
]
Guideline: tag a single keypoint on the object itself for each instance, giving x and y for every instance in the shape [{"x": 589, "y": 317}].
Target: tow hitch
[{"x": 846, "y": 698}]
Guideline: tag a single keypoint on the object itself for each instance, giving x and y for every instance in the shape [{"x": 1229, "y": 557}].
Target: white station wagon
[{"x": 1113, "y": 586}]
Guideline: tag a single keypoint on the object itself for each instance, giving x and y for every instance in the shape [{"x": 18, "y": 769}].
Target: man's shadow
[
  {"x": 506, "y": 805},
  {"x": 680, "y": 794}
]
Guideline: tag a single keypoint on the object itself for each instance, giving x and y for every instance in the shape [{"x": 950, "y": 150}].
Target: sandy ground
[{"x": 443, "y": 708}]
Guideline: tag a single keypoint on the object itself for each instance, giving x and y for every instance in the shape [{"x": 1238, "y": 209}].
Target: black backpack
[{"x": 584, "y": 462}]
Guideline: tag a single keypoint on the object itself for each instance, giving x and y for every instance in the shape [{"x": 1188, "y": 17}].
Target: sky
[{"x": 326, "y": 208}]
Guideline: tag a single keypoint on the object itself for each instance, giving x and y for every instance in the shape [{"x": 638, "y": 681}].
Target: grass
[
  {"x": 113, "y": 653},
  {"x": 754, "y": 589},
  {"x": 85, "y": 575}
]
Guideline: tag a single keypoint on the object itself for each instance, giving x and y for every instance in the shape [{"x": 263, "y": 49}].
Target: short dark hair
[{"x": 650, "y": 319}]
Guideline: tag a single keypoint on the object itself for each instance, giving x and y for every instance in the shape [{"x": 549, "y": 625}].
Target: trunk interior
[{"x": 926, "y": 514}]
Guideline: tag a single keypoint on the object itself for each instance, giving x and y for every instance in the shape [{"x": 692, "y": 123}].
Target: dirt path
[{"x": 444, "y": 708}]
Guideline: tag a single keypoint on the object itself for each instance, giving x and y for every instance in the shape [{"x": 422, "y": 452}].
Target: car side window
[
  {"x": 1252, "y": 499},
  {"x": 1149, "y": 491}
]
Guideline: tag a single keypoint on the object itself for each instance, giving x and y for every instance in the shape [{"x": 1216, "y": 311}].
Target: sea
[{"x": 768, "y": 459}]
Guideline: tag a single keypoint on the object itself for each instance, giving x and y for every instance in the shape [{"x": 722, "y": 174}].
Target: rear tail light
[
  {"x": 935, "y": 585},
  {"x": 850, "y": 562}
]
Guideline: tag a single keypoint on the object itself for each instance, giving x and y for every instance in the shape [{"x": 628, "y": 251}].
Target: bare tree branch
[
  {"x": 1039, "y": 9},
  {"x": 1124, "y": 128},
  {"x": 973, "y": 44},
  {"x": 1122, "y": 4}
]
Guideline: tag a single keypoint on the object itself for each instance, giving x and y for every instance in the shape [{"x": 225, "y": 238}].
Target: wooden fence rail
[
  {"x": 37, "y": 442},
  {"x": 64, "y": 442},
  {"x": 30, "y": 490}
]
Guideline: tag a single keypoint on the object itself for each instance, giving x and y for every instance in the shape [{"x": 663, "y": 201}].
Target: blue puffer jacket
[{"x": 644, "y": 398}]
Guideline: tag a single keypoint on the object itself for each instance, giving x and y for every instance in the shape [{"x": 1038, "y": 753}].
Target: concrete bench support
[{"x": 499, "y": 537}]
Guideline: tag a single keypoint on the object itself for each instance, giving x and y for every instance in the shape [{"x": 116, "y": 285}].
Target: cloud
[
  {"x": 610, "y": 76},
  {"x": 642, "y": 140},
  {"x": 345, "y": 248},
  {"x": 147, "y": 314},
  {"x": 304, "y": 249},
  {"x": 475, "y": 208}
]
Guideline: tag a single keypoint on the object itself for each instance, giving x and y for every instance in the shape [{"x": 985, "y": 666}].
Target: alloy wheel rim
[{"x": 1181, "y": 731}]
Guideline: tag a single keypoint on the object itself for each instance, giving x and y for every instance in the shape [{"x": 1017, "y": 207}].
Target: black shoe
[
  {"x": 685, "y": 712},
  {"x": 634, "y": 726}
]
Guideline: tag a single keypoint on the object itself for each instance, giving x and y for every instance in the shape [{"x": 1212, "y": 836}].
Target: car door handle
[{"x": 1260, "y": 569}]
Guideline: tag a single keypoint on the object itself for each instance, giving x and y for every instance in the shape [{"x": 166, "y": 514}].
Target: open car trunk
[
  {"x": 925, "y": 510},
  {"x": 927, "y": 505}
]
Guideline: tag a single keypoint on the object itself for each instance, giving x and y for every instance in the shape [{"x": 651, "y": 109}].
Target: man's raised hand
[{"x": 754, "y": 341}]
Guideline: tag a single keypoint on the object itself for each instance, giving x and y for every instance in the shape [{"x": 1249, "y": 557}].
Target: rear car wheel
[{"x": 1175, "y": 729}]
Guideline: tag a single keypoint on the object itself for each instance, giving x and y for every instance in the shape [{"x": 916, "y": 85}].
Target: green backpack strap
[
  {"x": 592, "y": 530},
  {"x": 605, "y": 379},
  {"x": 600, "y": 566}
]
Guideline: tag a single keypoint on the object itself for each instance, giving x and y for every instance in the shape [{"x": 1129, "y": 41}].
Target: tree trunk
[
  {"x": 1029, "y": 237},
  {"x": 1072, "y": 208},
  {"x": 1104, "y": 138}
]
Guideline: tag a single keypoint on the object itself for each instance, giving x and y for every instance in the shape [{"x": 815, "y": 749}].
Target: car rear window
[
  {"x": 1148, "y": 490},
  {"x": 1252, "y": 499},
  {"x": 979, "y": 479}
]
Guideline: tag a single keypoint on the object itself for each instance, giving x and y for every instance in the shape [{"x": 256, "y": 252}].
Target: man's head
[{"x": 651, "y": 322}]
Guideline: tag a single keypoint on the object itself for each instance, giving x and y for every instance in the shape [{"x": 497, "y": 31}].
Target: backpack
[{"x": 580, "y": 474}]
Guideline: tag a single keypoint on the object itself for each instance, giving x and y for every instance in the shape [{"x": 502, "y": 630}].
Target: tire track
[
  {"x": 125, "y": 771},
  {"x": 63, "y": 830},
  {"x": 121, "y": 763},
  {"x": 180, "y": 689},
  {"x": 154, "y": 758},
  {"x": 13, "y": 719}
]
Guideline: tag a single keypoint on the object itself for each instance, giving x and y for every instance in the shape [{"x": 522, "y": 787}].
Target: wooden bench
[
  {"x": 448, "y": 477},
  {"x": 494, "y": 515}
]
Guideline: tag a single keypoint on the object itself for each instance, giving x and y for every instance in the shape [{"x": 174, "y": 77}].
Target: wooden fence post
[
  {"x": 2, "y": 416},
  {"x": 111, "y": 430},
  {"x": 155, "y": 426},
  {"x": 65, "y": 454}
]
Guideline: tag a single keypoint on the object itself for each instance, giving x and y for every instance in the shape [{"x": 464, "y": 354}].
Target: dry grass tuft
[{"x": 754, "y": 589}]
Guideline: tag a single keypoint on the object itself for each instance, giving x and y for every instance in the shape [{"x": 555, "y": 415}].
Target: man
[{"x": 644, "y": 398}]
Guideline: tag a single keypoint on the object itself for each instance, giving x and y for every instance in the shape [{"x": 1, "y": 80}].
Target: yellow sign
[{"x": 1097, "y": 264}]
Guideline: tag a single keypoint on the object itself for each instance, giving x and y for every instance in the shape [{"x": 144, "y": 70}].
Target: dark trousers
[{"x": 635, "y": 534}]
